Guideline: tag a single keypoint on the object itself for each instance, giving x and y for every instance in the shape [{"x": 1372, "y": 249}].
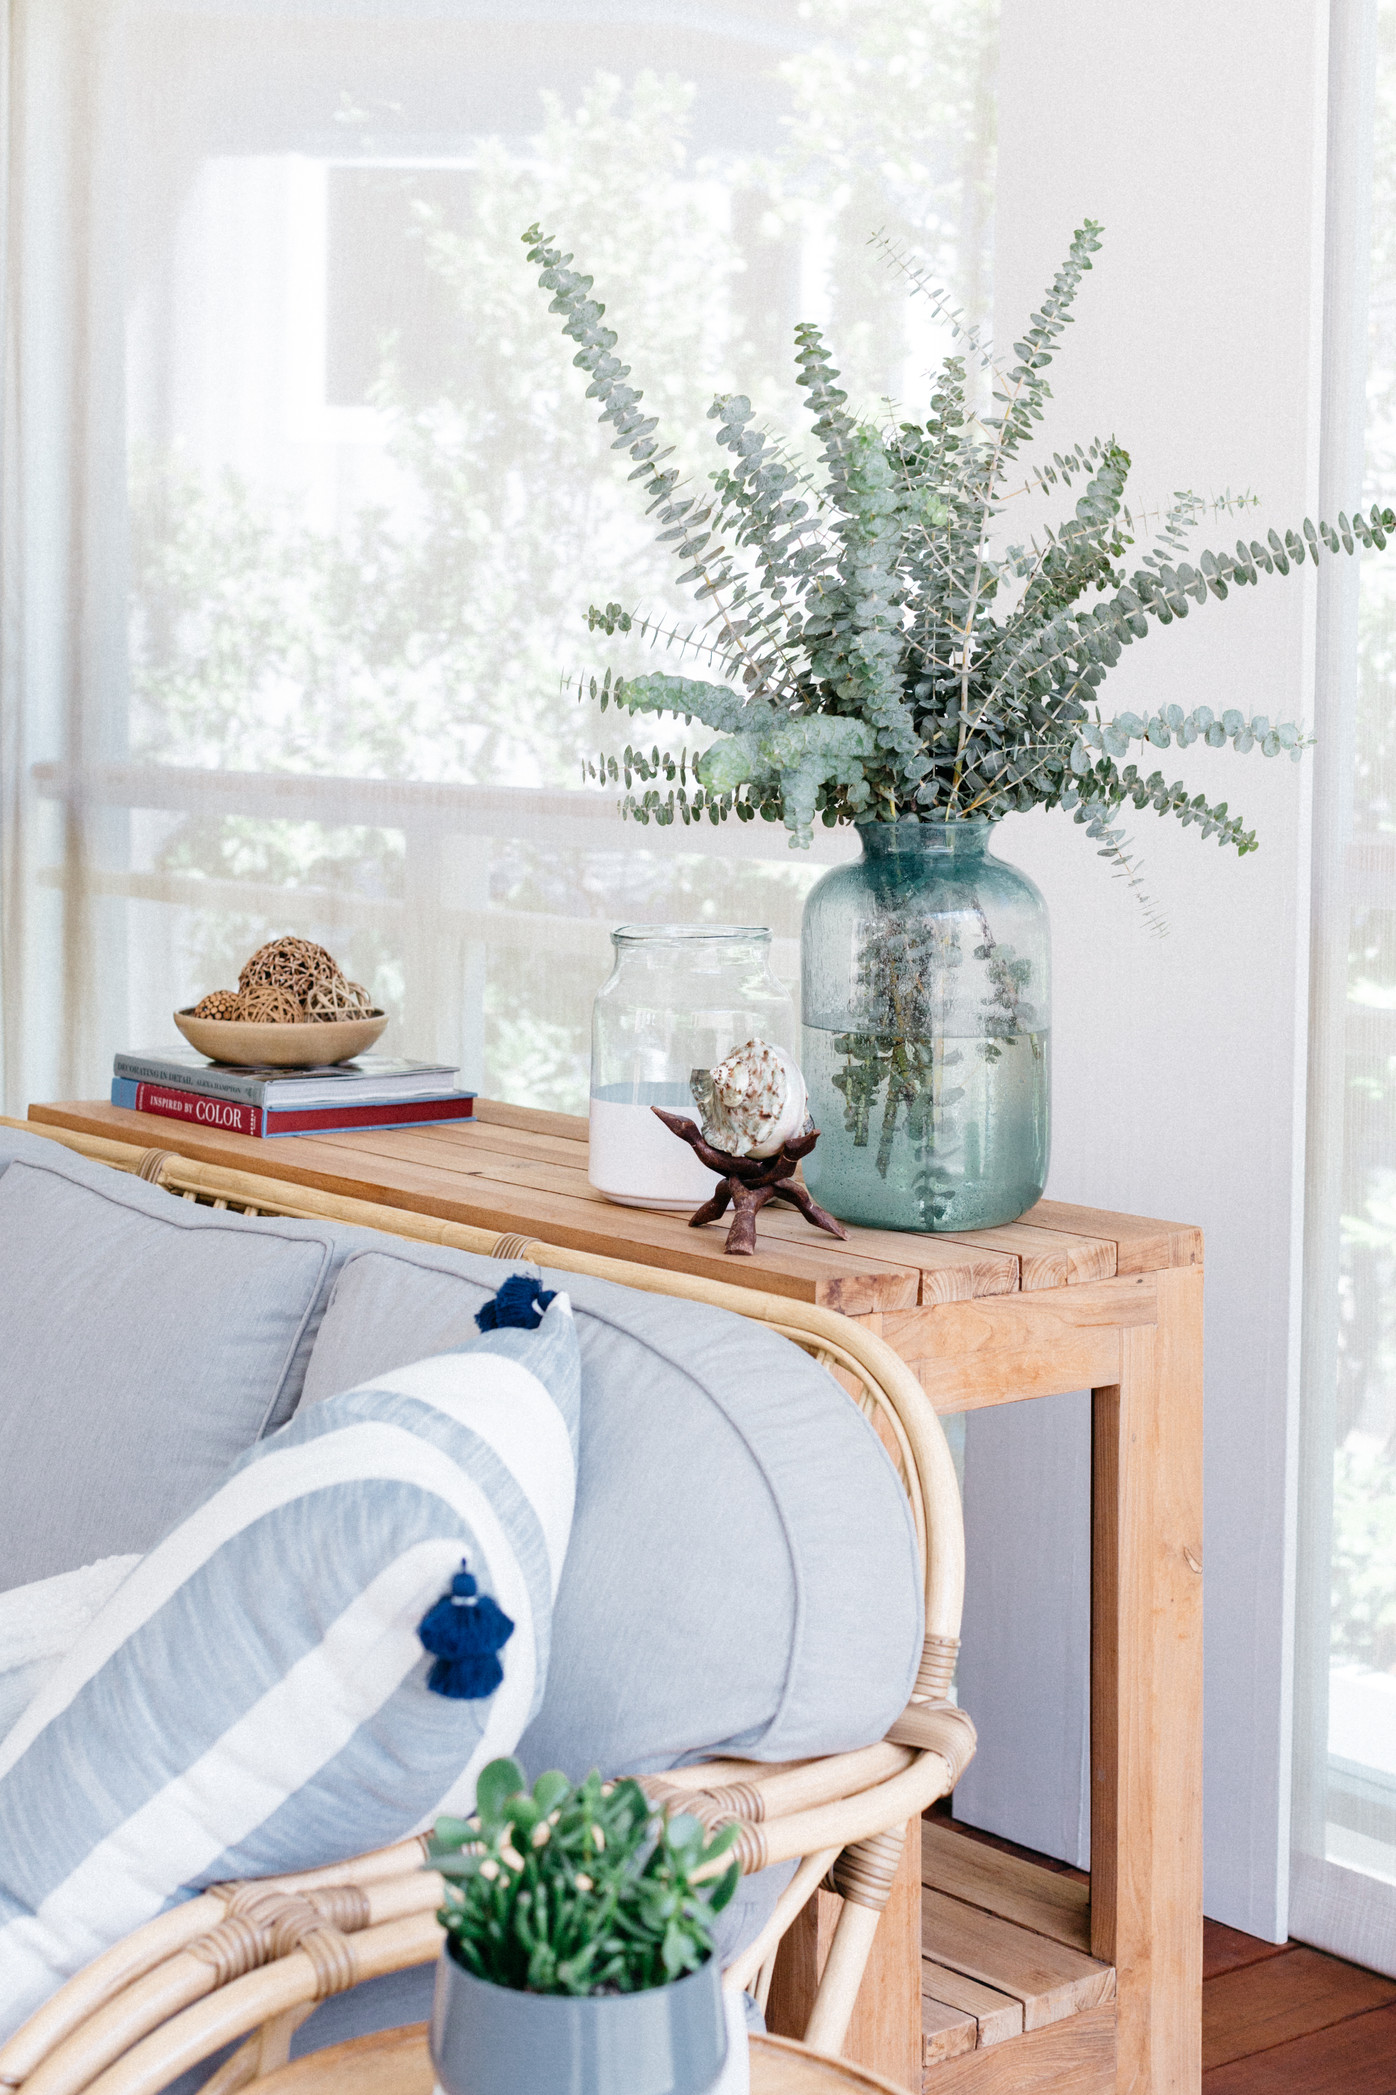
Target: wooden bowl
[{"x": 287, "y": 1047}]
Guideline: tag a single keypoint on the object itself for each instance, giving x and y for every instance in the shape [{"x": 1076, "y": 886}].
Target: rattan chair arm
[
  {"x": 147, "y": 1947},
  {"x": 710, "y": 1774},
  {"x": 191, "y": 1974},
  {"x": 758, "y": 1795},
  {"x": 938, "y": 1727},
  {"x": 876, "y": 1810},
  {"x": 101, "y": 1981},
  {"x": 249, "y": 2002},
  {"x": 103, "y": 1149},
  {"x": 181, "y": 1174},
  {"x": 741, "y": 1972}
]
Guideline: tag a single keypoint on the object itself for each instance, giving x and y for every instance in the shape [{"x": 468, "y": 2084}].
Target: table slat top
[{"x": 516, "y": 1170}]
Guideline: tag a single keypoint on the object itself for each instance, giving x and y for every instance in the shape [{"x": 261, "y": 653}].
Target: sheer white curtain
[
  {"x": 1344, "y": 1877},
  {"x": 303, "y": 504}
]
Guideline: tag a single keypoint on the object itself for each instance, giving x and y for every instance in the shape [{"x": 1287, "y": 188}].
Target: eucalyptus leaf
[{"x": 868, "y": 648}]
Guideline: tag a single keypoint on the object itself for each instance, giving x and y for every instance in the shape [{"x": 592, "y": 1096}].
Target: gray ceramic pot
[{"x": 489, "y": 2040}]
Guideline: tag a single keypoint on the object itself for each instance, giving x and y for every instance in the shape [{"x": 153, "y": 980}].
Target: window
[{"x": 366, "y": 505}]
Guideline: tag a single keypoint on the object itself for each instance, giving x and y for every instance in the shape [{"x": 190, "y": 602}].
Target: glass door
[{"x": 1344, "y": 1877}]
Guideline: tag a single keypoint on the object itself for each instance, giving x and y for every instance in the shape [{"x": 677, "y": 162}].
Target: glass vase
[
  {"x": 679, "y": 997},
  {"x": 926, "y": 971}
]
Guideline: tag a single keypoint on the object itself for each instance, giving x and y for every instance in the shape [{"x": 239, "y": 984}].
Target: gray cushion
[
  {"x": 145, "y": 1344},
  {"x": 14, "y": 1143},
  {"x": 742, "y": 1574}
]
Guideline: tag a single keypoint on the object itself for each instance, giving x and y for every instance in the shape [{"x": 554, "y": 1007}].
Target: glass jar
[
  {"x": 926, "y": 973},
  {"x": 679, "y": 997}
]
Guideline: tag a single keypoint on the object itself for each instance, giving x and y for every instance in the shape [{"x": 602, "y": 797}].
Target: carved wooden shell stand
[{"x": 748, "y": 1183}]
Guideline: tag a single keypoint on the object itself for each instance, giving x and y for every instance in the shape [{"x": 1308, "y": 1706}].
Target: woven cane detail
[
  {"x": 343, "y": 1906},
  {"x": 750, "y": 1850},
  {"x": 263, "y": 1925},
  {"x": 864, "y": 1872},
  {"x": 512, "y": 1247},
  {"x": 153, "y": 1165},
  {"x": 938, "y": 1727},
  {"x": 937, "y": 1669},
  {"x": 717, "y": 1807},
  {"x": 232, "y": 1949},
  {"x": 331, "y": 1957}
]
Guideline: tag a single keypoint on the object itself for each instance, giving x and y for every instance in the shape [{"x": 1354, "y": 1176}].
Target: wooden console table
[{"x": 1100, "y": 1992}]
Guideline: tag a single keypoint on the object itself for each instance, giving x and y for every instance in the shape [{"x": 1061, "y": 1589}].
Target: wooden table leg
[{"x": 1146, "y": 1692}]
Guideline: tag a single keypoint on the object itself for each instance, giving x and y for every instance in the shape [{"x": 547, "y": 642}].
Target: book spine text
[
  {"x": 228, "y": 1116},
  {"x": 208, "y": 1083}
]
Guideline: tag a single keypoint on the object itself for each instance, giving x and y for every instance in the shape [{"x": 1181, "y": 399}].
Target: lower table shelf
[{"x": 1010, "y": 1996}]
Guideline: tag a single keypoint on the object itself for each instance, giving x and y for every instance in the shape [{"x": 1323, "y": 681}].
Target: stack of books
[{"x": 372, "y": 1091}]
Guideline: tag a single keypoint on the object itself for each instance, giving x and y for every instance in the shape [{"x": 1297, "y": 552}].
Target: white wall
[{"x": 1195, "y": 132}]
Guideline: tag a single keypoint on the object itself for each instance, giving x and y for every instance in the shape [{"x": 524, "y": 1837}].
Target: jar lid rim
[{"x": 678, "y": 934}]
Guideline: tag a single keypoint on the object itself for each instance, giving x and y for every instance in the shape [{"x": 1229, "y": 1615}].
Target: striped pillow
[{"x": 254, "y": 1697}]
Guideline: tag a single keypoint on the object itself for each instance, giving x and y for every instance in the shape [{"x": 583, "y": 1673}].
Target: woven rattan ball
[
  {"x": 293, "y": 964},
  {"x": 339, "y": 999},
  {"x": 219, "y": 1003},
  {"x": 269, "y": 1006}
]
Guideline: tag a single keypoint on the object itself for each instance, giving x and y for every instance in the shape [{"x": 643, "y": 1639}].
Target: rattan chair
[{"x": 251, "y": 1961}]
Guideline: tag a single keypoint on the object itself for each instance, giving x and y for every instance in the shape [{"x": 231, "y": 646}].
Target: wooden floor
[{"x": 1280, "y": 2018}]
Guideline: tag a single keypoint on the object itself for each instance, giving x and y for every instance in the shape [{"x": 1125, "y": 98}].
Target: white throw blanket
[{"x": 40, "y": 1623}]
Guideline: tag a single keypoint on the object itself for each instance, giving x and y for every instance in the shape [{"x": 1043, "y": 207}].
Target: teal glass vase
[{"x": 926, "y": 983}]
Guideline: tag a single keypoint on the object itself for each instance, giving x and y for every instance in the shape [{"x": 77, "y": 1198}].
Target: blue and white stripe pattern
[{"x": 253, "y": 1698}]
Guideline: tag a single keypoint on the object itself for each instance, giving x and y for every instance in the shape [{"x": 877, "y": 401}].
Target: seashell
[{"x": 754, "y": 1101}]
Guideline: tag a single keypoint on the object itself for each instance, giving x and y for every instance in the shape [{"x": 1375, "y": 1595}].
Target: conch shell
[{"x": 753, "y": 1102}]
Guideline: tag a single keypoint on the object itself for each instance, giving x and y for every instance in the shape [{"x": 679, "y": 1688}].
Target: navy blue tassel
[
  {"x": 521, "y": 1301},
  {"x": 463, "y": 1633}
]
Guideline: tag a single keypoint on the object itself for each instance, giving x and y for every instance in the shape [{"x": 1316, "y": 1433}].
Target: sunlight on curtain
[
  {"x": 306, "y": 505},
  {"x": 1344, "y": 1889}
]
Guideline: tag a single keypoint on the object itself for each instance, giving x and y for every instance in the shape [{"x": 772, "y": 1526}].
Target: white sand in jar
[{"x": 635, "y": 1160}]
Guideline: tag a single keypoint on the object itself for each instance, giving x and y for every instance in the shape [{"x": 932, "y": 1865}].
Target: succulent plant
[{"x": 577, "y": 1890}]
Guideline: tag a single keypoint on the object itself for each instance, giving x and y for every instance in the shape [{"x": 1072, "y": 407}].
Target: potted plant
[
  {"x": 579, "y": 1949},
  {"x": 885, "y": 660}
]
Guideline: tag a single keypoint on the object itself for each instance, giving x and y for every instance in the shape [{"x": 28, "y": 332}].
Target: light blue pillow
[
  {"x": 743, "y": 1576},
  {"x": 254, "y": 1698}
]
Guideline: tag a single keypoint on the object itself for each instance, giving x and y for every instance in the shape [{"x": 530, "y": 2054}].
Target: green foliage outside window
[{"x": 417, "y": 633}]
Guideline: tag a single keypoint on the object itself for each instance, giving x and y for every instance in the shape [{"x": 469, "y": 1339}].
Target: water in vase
[{"x": 933, "y": 1134}]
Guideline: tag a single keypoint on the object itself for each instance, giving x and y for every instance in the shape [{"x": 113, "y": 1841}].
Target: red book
[{"x": 236, "y": 1119}]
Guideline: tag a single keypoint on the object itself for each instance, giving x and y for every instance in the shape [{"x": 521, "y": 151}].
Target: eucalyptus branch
[{"x": 878, "y": 654}]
